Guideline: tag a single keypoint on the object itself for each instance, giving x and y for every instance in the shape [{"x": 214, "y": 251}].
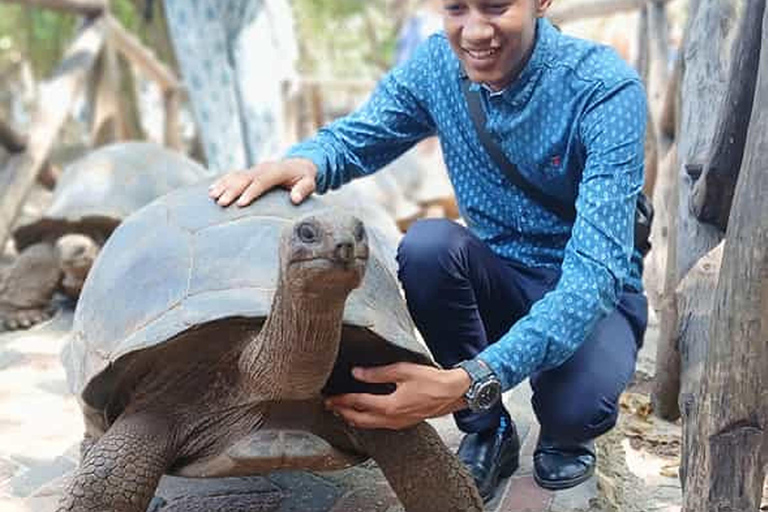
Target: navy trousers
[{"x": 463, "y": 297}]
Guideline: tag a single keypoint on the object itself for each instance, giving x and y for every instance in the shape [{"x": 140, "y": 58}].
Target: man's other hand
[
  {"x": 421, "y": 392},
  {"x": 295, "y": 174}
]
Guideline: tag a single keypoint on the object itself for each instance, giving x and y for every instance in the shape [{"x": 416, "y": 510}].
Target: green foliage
[
  {"x": 40, "y": 35},
  {"x": 43, "y": 35},
  {"x": 345, "y": 38}
]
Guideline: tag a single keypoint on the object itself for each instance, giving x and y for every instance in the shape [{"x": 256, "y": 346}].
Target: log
[
  {"x": 667, "y": 372},
  {"x": 89, "y": 8},
  {"x": 726, "y": 463},
  {"x": 642, "y": 62},
  {"x": 10, "y": 139},
  {"x": 106, "y": 123},
  {"x": 705, "y": 75},
  {"x": 55, "y": 99},
  {"x": 172, "y": 133},
  {"x": 713, "y": 193},
  {"x": 141, "y": 56},
  {"x": 706, "y": 50},
  {"x": 658, "y": 35},
  {"x": 576, "y": 11},
  {"x": 695, "y": 299},
  {"x": 669, "y": 115}
]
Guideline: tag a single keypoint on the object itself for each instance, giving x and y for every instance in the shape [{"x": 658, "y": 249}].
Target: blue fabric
[
  {"x": 574, "y": 123},
  {"x": 463, "y": 298}
]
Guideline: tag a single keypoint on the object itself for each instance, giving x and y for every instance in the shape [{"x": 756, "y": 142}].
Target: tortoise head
[
  {"x": 76, "y": 253},
  {"x": 324, "y": 254}
]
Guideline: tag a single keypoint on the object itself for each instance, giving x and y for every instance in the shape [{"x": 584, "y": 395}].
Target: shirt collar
[{"x": 519, "y": 92}]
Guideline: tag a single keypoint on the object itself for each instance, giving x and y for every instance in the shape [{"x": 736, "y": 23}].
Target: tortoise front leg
[
  {"x": 28, "y": 287},
  {"x": 120, "y": 472},
  {"x": 423, "y": 472}
]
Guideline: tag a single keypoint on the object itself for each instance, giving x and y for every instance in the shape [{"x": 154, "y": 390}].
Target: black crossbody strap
[{"x": 566, "y": 212}]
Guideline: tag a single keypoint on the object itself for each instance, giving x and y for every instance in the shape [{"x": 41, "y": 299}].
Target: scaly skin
[
  {"x": 120, "y": 472},
  {"x": 423, "y": 472},
  {"x": 28, "y": 287}
]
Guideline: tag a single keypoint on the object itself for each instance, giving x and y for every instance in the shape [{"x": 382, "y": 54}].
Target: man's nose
[{"x": 477, "y": 28}]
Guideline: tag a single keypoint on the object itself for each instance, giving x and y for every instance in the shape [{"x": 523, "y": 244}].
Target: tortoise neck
[{"x": 294, "y": 353}]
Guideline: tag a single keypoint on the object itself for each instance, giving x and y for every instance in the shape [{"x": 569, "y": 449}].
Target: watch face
[{"x": 488, "y": 394}]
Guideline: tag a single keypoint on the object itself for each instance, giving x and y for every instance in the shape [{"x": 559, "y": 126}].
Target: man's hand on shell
[{"x": 295, "y": 174}]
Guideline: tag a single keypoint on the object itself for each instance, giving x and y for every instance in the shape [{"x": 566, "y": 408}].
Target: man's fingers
[
  {"x": 302, "y": 189},
  {"x": 228, "y": 196},
  {"x": 383, "y": 374},
  {"x": 227, "y": 188},
  {"x": 364, "y": 419},
  {"x": 362, "y": 402},
  {"x": 215, "y": 190},
  {"x": 260, "y": 183}
]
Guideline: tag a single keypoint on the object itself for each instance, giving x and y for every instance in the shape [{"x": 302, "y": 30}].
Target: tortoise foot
[{"x": 13, "y": 319}]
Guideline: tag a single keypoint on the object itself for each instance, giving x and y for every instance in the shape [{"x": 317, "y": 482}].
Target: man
[{"x": 519, "y": 293}]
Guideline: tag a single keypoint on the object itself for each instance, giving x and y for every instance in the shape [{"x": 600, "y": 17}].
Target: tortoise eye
[
  {"x": 359, "y": 232},
  {"x": 308, "y": 233}
]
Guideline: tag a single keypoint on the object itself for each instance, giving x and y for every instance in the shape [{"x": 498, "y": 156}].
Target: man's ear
[{"x": 542, "y": 6}]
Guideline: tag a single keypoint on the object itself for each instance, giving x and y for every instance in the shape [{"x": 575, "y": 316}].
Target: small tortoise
[
  {"x": 93, "y": 195},
  {"x": 205, "y": 339}
]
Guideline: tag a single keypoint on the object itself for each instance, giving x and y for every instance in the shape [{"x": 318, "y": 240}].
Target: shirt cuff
[{"x": 317, "y": 157}]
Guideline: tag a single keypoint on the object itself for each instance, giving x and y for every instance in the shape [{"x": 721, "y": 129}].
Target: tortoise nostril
[{"x": 345, "y": 251}]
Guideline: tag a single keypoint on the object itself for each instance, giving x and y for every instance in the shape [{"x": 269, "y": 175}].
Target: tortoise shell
[
  {"x": 183, "y": 261},
  {"x": 98, "y": 191}
]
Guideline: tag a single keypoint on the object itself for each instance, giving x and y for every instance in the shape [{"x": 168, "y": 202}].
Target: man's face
[{"x": 492, "y": 38}]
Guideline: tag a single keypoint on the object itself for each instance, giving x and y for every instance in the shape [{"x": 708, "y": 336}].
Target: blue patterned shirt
[{"x": 573, "y": 122}]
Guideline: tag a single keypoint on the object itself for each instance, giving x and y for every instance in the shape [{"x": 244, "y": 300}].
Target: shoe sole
[
  {"x": 561, "y": 485},
  {"x": 506, "y": 470}
]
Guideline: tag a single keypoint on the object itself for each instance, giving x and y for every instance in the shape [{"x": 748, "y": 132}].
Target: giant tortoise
[
  {"x": 92, "y": 196},
  {"x": 205, "y": 339}
]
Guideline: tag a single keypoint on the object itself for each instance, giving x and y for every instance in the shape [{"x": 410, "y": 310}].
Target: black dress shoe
[
  {"x": 558, "y": 466},
  {"x": 490, "y": 456}
]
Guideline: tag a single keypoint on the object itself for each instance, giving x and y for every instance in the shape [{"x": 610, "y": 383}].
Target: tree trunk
[
  {"x": 658, "y": 46},
  {"x": 713, "y": 193},
  {"x": 706, "y": 51},
  {"x": 695, "y": 298},
  {"x": 53, "y": 106},
  {"x": 642, "y": 58},
  {"x": 726, "y": 465},
  {"x": 707, "y": 54},
  {"x": 669, "y": 115}
]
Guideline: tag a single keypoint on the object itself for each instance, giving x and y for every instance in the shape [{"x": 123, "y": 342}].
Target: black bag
[{"x": 566, "y": 211}]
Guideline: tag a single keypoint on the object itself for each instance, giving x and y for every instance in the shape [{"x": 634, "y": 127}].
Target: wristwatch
[{"x": 485, "y": 389}]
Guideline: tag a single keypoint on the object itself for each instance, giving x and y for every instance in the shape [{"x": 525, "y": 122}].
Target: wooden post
[
  {"x": 658, "y": 53},
  {"x": 88, "y": 8},
  {"x": 713, "y": 192},
  {"x": 54, "y": 103},
  {"x": 707, "y": 52},
  {"x": 668, "y": 115},
  {"x": 171, "y": 100},
  {"x": 726, "y": 464},
  {"x": 140, "y": 56},
  {"x": 106, "y": 123}
]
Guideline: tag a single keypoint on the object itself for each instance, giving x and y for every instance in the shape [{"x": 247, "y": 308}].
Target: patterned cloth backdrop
[{"x": 235, "y": 56}]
